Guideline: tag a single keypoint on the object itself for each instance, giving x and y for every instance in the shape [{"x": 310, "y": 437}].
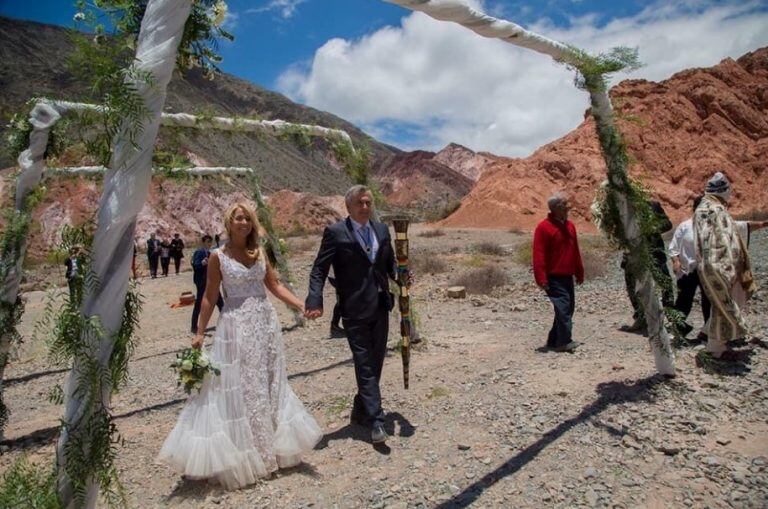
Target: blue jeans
[{"x": 562, "y": 296}]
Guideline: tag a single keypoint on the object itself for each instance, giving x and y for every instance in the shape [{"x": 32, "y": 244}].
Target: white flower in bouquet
[
  {"x": 80, "y": 16},
  {"x": 187, "y": 365},
  {"x": 203, "y": 362}
]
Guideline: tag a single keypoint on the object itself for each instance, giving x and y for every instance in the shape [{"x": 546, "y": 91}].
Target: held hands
[{"x": 312, "y": 314}]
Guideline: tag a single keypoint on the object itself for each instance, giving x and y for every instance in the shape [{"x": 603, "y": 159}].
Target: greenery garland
[
  {"x": 591, "y": 75},
  {"x": 92, "y": 446},
  {"x": 17, "y": 223}
]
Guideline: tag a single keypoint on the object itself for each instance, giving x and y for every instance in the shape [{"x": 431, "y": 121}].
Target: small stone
[
  {"x": 628, "y": 441},
  {"x": 591, "y": 497},
  {"x": 464, "y": 447},
  {"x": 470, "y": 475},
  {"x": 723, "y": 440},
  {"x": 590, "y": 472}
]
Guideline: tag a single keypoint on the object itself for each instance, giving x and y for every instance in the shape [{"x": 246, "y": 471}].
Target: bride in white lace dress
[{"x": 247, "y": 422}]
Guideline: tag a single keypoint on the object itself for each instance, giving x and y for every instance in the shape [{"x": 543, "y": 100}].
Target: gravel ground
[{"x": 489, "y": 420}]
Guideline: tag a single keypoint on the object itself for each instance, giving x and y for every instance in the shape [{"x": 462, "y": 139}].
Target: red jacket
[{"x": 556, "y": 251}]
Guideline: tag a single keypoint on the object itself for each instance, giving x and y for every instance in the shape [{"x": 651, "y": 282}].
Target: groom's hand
[{"x": 313, "y": 313}]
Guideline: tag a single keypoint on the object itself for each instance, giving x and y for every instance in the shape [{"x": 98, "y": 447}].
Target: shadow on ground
[{"x": 610, "y": 393}]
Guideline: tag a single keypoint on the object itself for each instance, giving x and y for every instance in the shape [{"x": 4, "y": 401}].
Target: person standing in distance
[
  {"x": 360, "y": 252},
  {"x": 153, "y": 254},
  {"x": 556, "y": 262},
  {"x": 200, "y": 276}
]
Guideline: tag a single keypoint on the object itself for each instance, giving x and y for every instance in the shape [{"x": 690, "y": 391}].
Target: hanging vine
[
  {"x": 17, "y": 223},
  {"x": 92, "y": 446}
]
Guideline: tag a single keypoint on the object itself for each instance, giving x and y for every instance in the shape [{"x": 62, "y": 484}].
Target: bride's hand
[{"x": 197, "y": 343}]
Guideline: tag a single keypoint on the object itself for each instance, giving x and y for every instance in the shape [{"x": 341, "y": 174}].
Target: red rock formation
[
  {"x": 469, "y": 163},
  {"x": 172, "y": 207},
  {"x": 678, "y": 133},
  {"x": 305, "y": 212},
  {"x": 416, "y": 179}
]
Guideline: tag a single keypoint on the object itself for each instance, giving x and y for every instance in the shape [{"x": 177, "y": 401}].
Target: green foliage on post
[
  {"x": 17, "y": 223},
  {"x": 19, "y": 129},
  {"x": 91, "y": 447},
  {"x": 25, "y": 485},
  {"x": 591, "y": 76}
]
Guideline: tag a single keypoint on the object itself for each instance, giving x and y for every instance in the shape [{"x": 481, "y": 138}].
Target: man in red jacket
[{"x": 556, "y": 261}]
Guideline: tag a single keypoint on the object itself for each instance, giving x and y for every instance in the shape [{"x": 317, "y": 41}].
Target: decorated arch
[{"x": 624, "y": 210}]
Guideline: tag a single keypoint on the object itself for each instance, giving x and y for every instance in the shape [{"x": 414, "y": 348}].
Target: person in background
[
  {"x": 165, "y": 256},
  {"x": 74, "y": 272},
  {"x": 199, "y": 277},
  {"x": 682, "y": 251},
  {"x": 336, "y": 330},
  {"x": 133, "y": 260},
  {"x": 659, "y": 254},
  {"x": 177, "y": 251},
  {"x": 724, "y": 267},
  {"x": 556, "y": 263},
  {"x": 153, "y": 254}
]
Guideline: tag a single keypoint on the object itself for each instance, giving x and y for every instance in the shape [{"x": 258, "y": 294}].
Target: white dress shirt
[{"x": 683, "y": 247}]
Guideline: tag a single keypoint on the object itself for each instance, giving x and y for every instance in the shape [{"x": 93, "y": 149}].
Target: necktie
[{"x": 366, "y": 235}]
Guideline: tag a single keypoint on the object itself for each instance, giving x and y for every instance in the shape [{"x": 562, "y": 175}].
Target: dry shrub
[
  {"x": 483, "y": 280},
  {"x": 523, "y": 254},
  {"x": 427, "y": 263},
  {"x": 475, "y": 260},
  {"x": 489, "y": 248},
  {"x": 595, "y": 263},
  {"x": 442, "y": 211},
  {"x": 432, "y": 233}
]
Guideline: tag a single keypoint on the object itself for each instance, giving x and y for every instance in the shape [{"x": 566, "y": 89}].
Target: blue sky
[
  {"x": 418, "y": 83},
  {"x": 273, "y": 35}
]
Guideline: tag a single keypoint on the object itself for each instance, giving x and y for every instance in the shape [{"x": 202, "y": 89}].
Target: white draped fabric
[
  {"x": 125, "y": 190},
  {"x": 457, "y": 11}
]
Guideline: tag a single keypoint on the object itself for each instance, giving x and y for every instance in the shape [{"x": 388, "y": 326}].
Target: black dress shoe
[
  {"x": 568, "y": 347},
  {"x": 337, "y": 332},
  {"x": 378, "y": 435}
]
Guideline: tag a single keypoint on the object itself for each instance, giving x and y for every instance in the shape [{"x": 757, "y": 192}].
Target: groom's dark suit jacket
[{"x": 361, "y": 285}]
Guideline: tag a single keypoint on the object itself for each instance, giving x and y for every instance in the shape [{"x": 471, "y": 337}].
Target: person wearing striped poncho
[{"x": 723, "y": 264}]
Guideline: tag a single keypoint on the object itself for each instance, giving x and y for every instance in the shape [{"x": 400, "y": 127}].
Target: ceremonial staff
[{"x": 404, "y": 301}]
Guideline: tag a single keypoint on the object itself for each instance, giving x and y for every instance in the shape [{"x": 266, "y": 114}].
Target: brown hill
[
  {"x": 33, "y": 60},
  {"x": 678, "y": 132},
  {"x": 190, "y": 207},
  {"x": 469, "y": 163},
  {"x": 417, "y": 180}
]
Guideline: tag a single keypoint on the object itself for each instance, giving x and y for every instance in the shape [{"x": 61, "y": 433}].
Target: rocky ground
[{"x": 489, "y": 420}]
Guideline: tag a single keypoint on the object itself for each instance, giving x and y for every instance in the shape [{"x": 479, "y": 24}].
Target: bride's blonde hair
[{"x": 252, "y": 243}]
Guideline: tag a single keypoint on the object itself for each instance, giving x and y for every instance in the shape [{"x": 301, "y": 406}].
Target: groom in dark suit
[{"x": 360, "y": 251}]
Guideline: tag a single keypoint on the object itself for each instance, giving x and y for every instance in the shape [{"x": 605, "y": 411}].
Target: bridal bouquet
[{"x": 192, "y": 365}]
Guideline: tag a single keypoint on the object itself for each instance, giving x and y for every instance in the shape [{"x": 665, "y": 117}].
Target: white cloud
[
  {"x": 286, "y": 8},
  {"x": 444, "y": 83}
]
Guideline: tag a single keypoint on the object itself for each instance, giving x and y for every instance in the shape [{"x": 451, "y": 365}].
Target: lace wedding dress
[{"x": 246, "y": 422}]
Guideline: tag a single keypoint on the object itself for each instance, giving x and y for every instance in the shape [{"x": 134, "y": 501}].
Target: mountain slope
[
  {"x": 678, "y": 133},
  {"x": 33, "y": 63}
]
